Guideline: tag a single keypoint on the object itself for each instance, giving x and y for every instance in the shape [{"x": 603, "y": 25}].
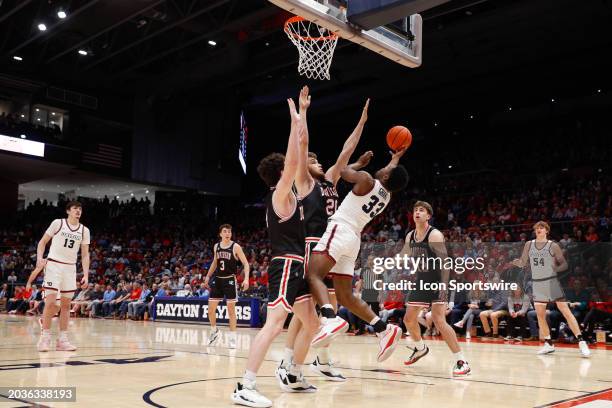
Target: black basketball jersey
[
  {"x": 287, "y": 236},
  {"x": 320, "y": 204},
  {"x": 227, "y": 264},
  {"x": 422, "y": 249}
]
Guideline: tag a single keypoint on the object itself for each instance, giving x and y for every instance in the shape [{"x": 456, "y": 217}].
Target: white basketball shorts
[
  {"x": 60, "y": 277},
  {"x": 340, "y": 243}
]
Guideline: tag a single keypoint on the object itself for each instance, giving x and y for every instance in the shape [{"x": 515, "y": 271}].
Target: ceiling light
[
  {"x": 22, "y": 115},
  {"x": 17, "y": 58},
  {"x": 132, "y": 194},
  {"x": 147, "y": 192},
  {"x": 509, "y": 108},
  {"x": 37, "y": 110},
  {"x": 38, "y": 119},
  {"x": 83, "y": 52},
  {"x": 53, "y": 113},
  {"x": 599, "y": 91},
  {"x": 552, "y": 99},
  {"x": 450, "y": 166},
  {"x": 436, "y": 124},
  {"x": 62, "y": 14},
  {"x": 471, "y": 116},
  {"x": 23, "y": 136},
  {"x": 211, "y": 42},
  {"x": 42, "y": 27},
  {"x": 267, "y": 44}
]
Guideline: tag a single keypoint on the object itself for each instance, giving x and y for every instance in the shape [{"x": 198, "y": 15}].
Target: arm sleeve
[{"x": 54, "y": 227}]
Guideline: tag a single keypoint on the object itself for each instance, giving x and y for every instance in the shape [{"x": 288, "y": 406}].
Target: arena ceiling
[{"x": 476, "y": 51}]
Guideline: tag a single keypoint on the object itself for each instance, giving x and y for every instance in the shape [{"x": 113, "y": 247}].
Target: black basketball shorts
[
  {"x": 421, "y": 295},
  {"x": 286, "y": 283},
  {"x": 224, "y": 287}
]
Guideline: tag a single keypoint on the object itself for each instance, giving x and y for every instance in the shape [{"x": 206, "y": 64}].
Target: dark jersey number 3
[{"x": 373, "y": 207}]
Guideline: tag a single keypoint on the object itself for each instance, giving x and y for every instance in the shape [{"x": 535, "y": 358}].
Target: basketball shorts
[
  {"x": 286, "y": 283},
  {"x": 224, "y": 287},
  {"x": 311, "y": 242},
  {"x": 341, "y": 244},
  {"x": 547, "y": 291},
  {"x": 60, "y": 277},
  {"x": 422, "y": 295}
]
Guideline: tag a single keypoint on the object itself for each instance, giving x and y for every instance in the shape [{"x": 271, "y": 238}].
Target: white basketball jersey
[
  {"x": 541, "y": 261},
  {"x": 357, "y": 211},
  {"x": 66, "y": 241}
]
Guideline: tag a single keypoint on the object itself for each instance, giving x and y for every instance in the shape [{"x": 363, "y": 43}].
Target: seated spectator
[
  {"x": 162, "y": 291},
  {"x": 518, "y": 306},
  {"x": 202, "y": 292},
  {"x": 140, "y": 308},
  {"x": 94, "y": 297},
  {"x": 132, "y": 297},
  {"x": 35, "y": 303},
  {"x": 3, "y": 297},
  {"x": 393, "y": 306},
  {"x": 122, "y": 294},
  {"x": 131, "y": 310},
  {"x": 16, "y": 300},
  {"x": 185, "y": 292},
  {"x": 108, "y": 296},
  {"x": 477, "y": 298},
  {"x": 81, "y": 298},
  {"x": 498, "y": 304}
]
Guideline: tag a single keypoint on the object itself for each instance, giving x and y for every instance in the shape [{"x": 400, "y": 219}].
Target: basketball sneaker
[
  {"x": 281, "y": 372},
  {"x": 44, "y": 343},
  {"x": 64, "y": 345},
  {"x": 214, "y": 336},
  {"x": 327, "y": 371},
  {"x": 416, "y": 355},
  {"x": 547, "y": 349},
  {"x": 461, "y": 368},
  {"x": 387, "y": 342},
  {"x": 247, "y": 394},
  {"x": 584, "y": 349},
  {"x": 296, "y": 383},
  {"x": 329, "y": 330}
]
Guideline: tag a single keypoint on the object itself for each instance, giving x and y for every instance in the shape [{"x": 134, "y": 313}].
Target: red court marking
[{"x": 604, "y": 395}]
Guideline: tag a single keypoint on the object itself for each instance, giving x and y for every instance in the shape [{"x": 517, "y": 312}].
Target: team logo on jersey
[{"x": 383, "y": 193}]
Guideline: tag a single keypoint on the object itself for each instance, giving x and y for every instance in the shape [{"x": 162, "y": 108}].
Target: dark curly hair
[
  {"x": 270, "y": 168},
  {"x": 398, "y": 179}
]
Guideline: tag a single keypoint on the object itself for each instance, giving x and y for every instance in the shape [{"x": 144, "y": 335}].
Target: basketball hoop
[{"x": 315, "y": 45}]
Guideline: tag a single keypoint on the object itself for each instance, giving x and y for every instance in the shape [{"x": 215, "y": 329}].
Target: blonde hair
[{"x": 542, "y": 224}]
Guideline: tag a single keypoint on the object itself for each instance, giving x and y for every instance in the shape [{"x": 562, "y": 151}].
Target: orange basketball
[{"x": 398, "y": 137}]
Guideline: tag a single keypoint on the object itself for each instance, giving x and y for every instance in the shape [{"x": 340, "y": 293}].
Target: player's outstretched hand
[
  {"x": 364, "y": 112},
  {"x": 295, "y": 117},
  {"x": 365, "y": 158},
  {"x": 398, "y": 155},
  {"x": 245, "y": 285},
  {"x": 304, "y": 98}
]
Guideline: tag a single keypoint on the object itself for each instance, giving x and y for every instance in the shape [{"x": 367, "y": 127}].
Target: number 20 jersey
[
  {"x": 66, "y": 241},
  {"x": 320, "y": 204},
  {"x": 357, "y": 211}
]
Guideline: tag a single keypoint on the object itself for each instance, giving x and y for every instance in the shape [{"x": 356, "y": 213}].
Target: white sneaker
[
  {"x": 388, "y": 340},
  {"x": 461, "y": 369},
  {"x": 281, "y": 373},
  {"x": 327, "y": 371},
  {"x": 416, "y": 355},
  {"x": 584, "y": 349},
  {"x": 296, "y": 383},
  {"x": 214, "y": 336},
  {"x": 547, "y": 349},
  {"x": 249, "y": 396},
  {"x": 44, "y": 343},
  {"x": 64, "y": 345},
  {"x": 329, "y": 330},
  {"x": 459, "y": 324},
  {"x": 468, "y": 335},
  {"x": 231, "y": 343}
]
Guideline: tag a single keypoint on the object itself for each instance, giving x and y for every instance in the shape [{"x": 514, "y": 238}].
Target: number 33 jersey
[
  {"x": 66, "y": 240},
  {"x": 357, "y": 211}
]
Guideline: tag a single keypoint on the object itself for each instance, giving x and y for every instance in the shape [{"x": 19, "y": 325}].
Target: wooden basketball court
[{"x": 139, "y": 364}]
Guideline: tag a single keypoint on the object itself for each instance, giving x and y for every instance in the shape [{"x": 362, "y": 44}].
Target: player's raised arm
[
  {"x": 363, "y": 161},
  {"x": 560, "y": 262},
  {"x": 281, "y": 199},
  {"x": 333, "y": 173},
  {"x": 362, "y": 180},
  {"x": 245, "y": 266},
  {"x": 303, "y": 179}
]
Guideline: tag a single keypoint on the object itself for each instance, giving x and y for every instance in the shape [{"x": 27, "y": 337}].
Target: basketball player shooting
[
  {"x": 67, "y": 236},
  {"x": 547, "y": 260},
  {"x": 337, "y": 251},
  {"x": 428, "y": 242},
  {"x": 317, "y": 190},
  {"x": 225, "y": 267},
  {"x": 286, "y": 284}
]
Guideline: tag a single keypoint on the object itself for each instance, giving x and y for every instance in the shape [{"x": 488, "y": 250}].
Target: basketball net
[{"x": 315, "y": 45}]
